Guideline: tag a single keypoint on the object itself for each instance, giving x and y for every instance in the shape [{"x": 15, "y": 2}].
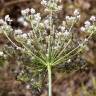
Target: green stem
[{"x": 49, "y": 81}]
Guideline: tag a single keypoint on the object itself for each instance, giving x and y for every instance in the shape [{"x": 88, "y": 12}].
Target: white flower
[
  {"x": 43, "y": 2},
  {"x": 46, "y": 23},
  {"x": 66, "y": 33},
  {"x": 22, "y": 21},
  {"x": 76, "y": 12},
  {"x": 25, "y": 23},
  {"x": 18, "y": 48},
  {"x": 70, "y": 18},
  {"x": 69, "y": 61},
  {"x": 82, "y": 29},
  {"x": 85, "y": 39},
  {"x": 60, "y": 7},
  {"x": 62, "y": 28},
  {"x": 25, "y": 12},
  {"x": 32, "y": 10},
  {"x": 87, "y": 24},
  {"x": 59, "y": 33},
  {"x": 18, "y": 31},
  {"x": 7, "y": 18},
  {"x": 24, "y": 35},
  {"x": 1, "y": 53},
  {"x": 37, "y": 17},
  {"x": 78, "y": 16},
  {"x": 28, "y": 86},
  {"x": 67, "y": 17},
  {"x": 93, "y": 18}
]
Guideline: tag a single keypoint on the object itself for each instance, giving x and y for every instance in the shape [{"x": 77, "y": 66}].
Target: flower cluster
[
  {"x": 73, "y": 19},
  {"x": 89, "y": 26},
  {"x": 44, "y": 34},
  {"x": 45, "y": 43},
  {"x": 4, "y": 25},
  {"x": 51, "y": 5}
]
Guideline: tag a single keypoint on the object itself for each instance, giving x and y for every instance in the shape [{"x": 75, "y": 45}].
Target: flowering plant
[{"x": 46, "y": 43}]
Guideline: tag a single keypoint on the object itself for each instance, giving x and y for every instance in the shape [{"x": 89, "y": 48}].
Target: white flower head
[
  {"x": 25, "y": 23},
  {"x": 25, "y": 12},
  {"x": 69, "y": 60},
  {"x": 19, "y": 48},
  {"x": 67, "y": 17},
  {"x": 62, "y": 28},
  {"x": 82, "y": 29},
  {"x": 18, "y": 31},
  {"x": 32, "y": 11},
  {"x": 37, "y": 17},
  {"x": 46, "y": 23},
  {"x": 78, "y": 16},
  {"x": 7, "y": 18},
  {"x": 85, "y": 39},
  {"x": 76, "y": 12},
  {"x": 87, "y": 24},
  {"x": 60, "y": 7},
  {"x": 66, "y": 33},
  {"x": 24, "y": 35},
  {"x": 28, "y": 86},
  {"x": 22, "y": 21},
  {"x": 1, "y": 53},
  {"x": 93, "y": 18},
  {"x": 44, "y": 2}
]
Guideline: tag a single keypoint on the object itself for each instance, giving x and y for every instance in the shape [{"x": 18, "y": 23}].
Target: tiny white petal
[
  {"x": 93, "y": 18},
  {"x": 66, "y": 33},
  {"x": 7, "y": 18},
  {"x": 67, "y": 17},
  {"x": 20, "y": 19},
  {"x": 28, "y": 86},
  {"x": 43, "y": 2},
  {"x": 82, "y": 28},
  {"x": 1, "y": 53},
  {"x": 76, "y": 12},
  {"x": 87, "y": 24},
  {"x": 24, "y": 35},
  {"x": 32, "y": 10},
  {"x": 18, "y": 31}
]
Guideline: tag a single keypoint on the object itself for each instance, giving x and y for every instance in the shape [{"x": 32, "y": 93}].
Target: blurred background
[{"x": 80, "y": 82}]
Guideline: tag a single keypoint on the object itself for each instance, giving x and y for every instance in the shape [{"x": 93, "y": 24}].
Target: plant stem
[{"x": 49, "y": 81}]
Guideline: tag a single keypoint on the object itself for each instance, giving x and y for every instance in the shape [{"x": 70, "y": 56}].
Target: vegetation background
[{"x": 65, "y": 83}]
